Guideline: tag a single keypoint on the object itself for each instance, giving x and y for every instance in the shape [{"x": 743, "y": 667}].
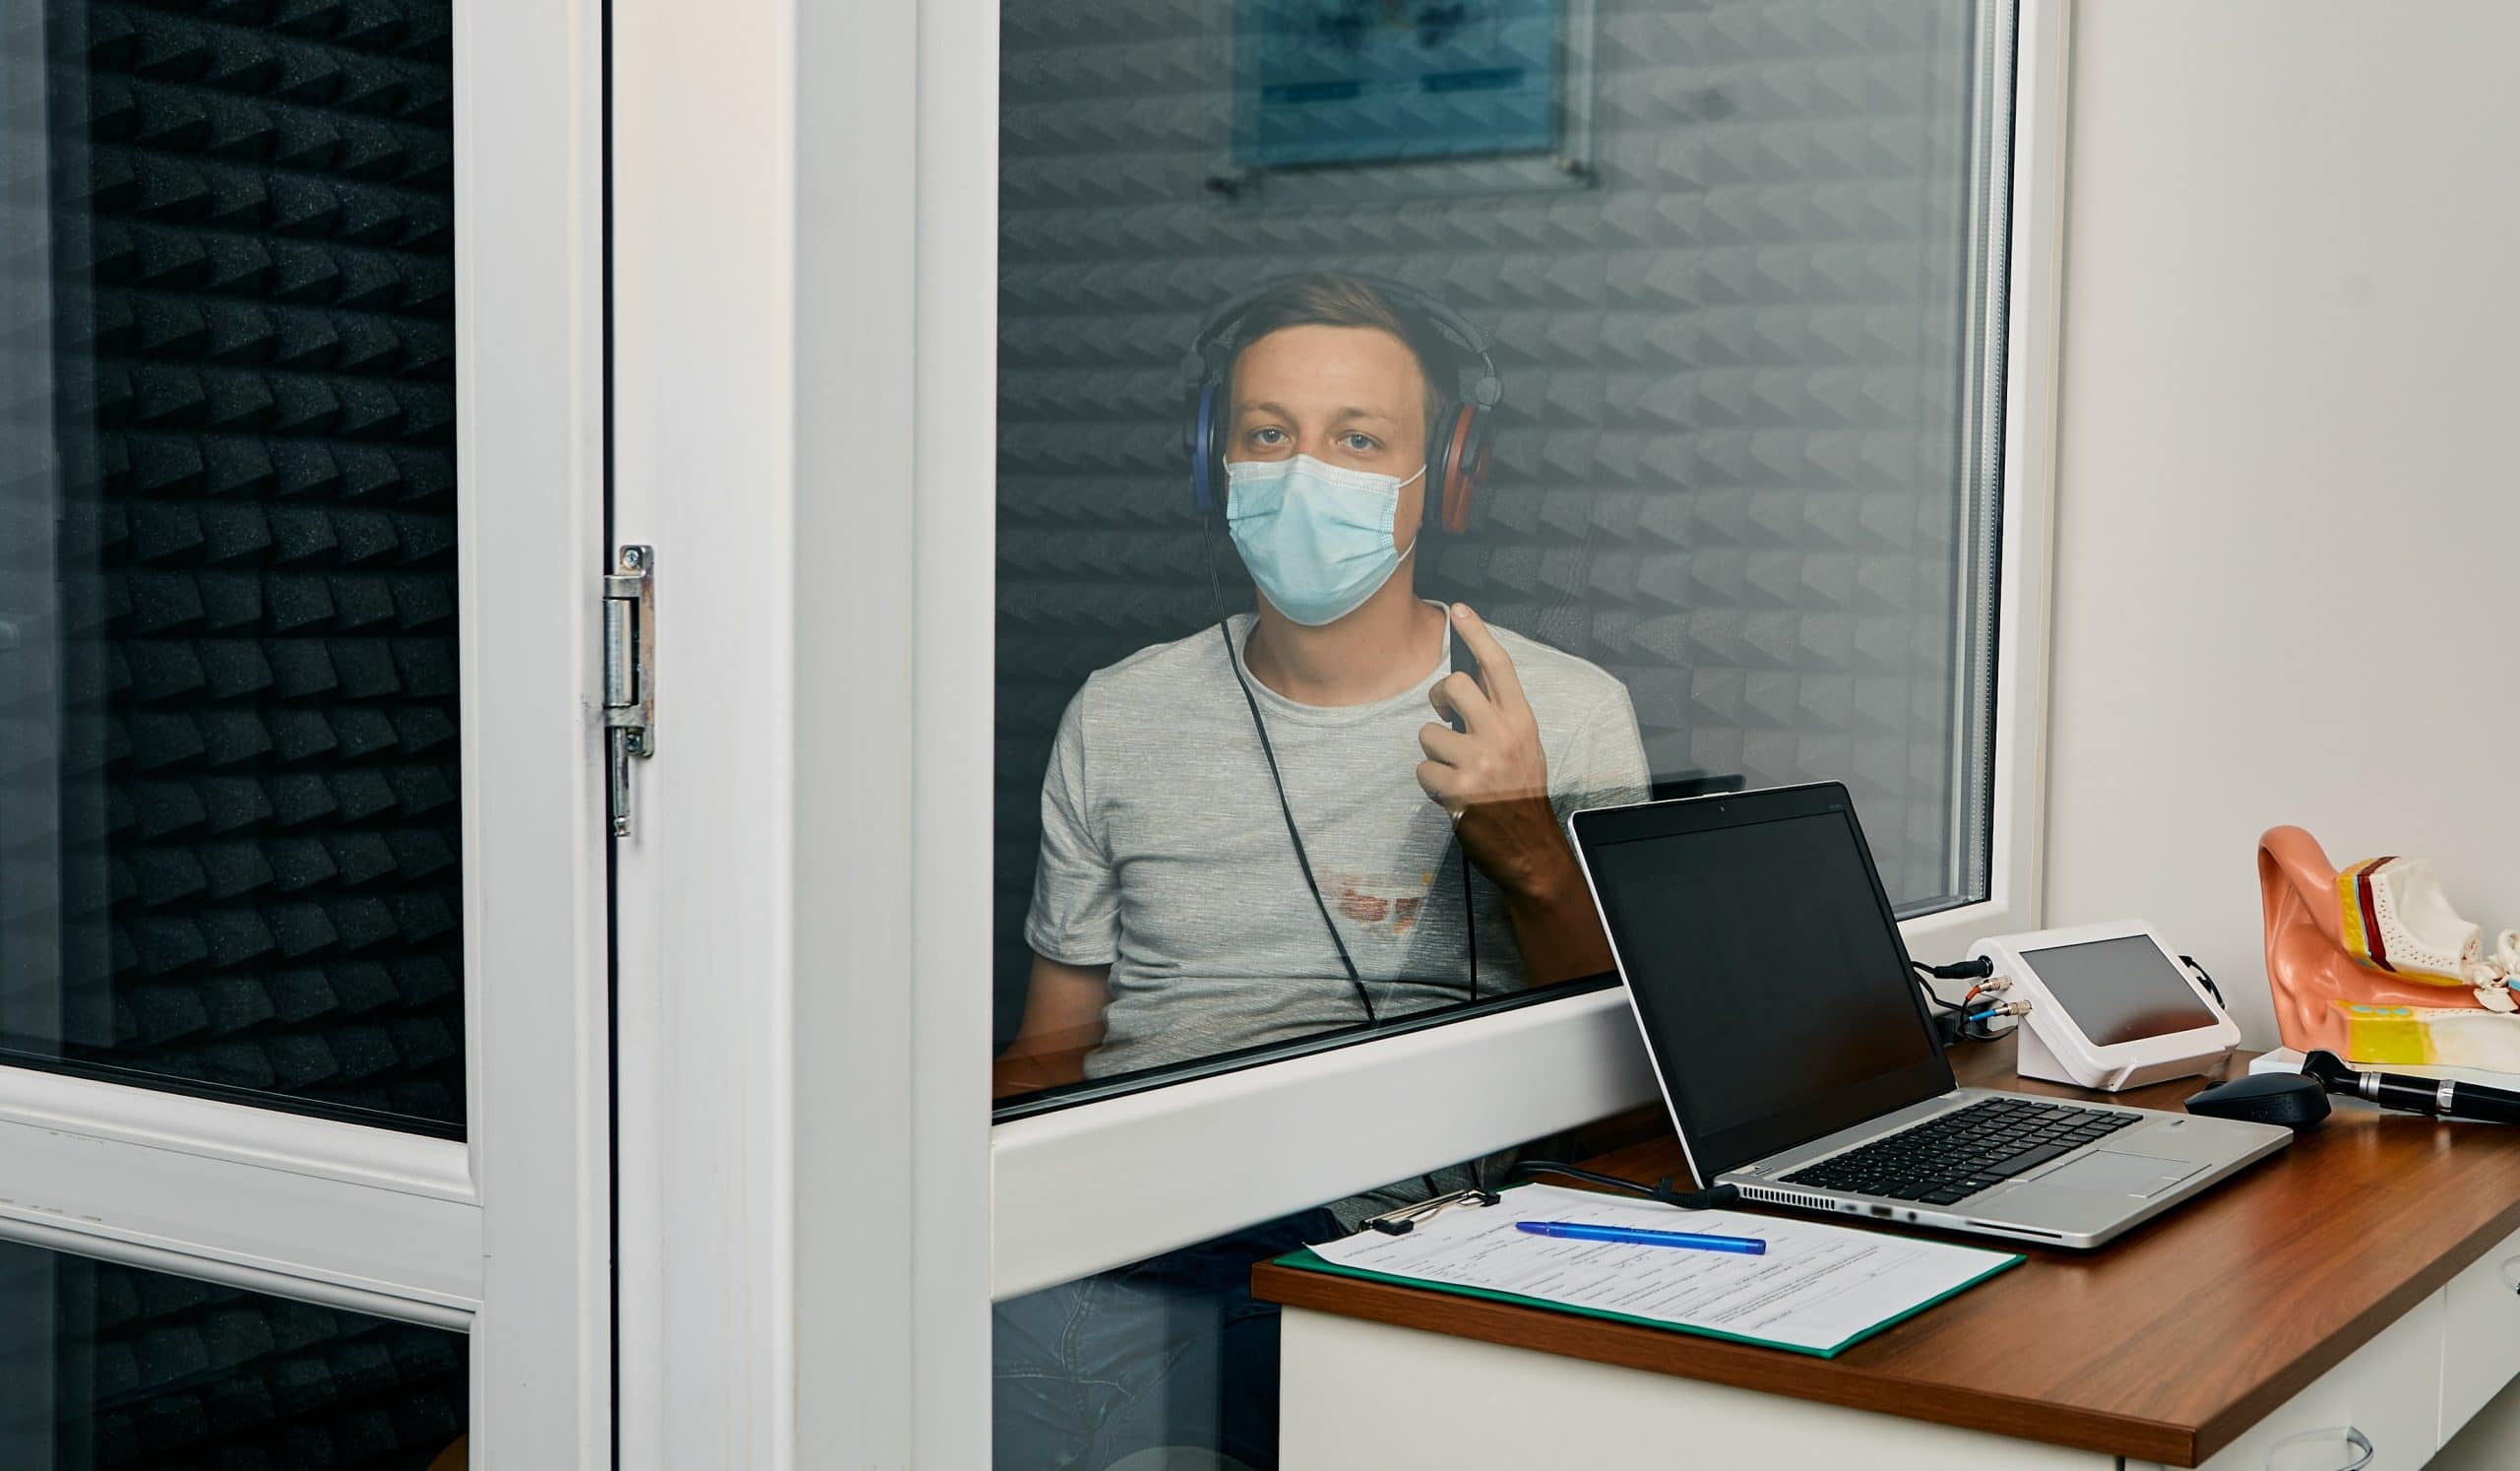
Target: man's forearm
[
  {"x": 1062, "y": 1023},
  {"x": 1554, "y": 918},
  {"x": 1028, "y": 1070},
  {"x": 1036, "y": 1060}
]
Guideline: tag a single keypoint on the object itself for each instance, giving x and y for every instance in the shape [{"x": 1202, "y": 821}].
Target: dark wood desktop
[{"x": 2164, "y": 1345}]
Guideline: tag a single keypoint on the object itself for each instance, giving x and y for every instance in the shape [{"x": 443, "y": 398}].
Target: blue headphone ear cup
[{"x": 1203, "y": 452}]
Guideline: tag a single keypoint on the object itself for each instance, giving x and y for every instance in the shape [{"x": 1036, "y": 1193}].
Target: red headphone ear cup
[{"x": 1465, "y": 463}]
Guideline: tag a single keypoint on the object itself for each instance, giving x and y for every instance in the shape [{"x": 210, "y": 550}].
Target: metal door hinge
[{"x": 629, "y": 675}]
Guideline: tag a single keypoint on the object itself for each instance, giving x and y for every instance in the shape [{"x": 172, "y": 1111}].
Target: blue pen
[{"x": 1748, "y": 1246}]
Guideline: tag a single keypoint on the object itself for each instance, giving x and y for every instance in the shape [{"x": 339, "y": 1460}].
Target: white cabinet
[
  {"x": 2387, "y": 1396},
  {"x": 1354, "y": 1394},
  {"x": 2480, "y": 1334},
  {"x": 1360, "y": 1394}
]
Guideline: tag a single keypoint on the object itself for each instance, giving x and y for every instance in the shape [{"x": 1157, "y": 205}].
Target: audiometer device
[{"x": 2110, "y": 1006}]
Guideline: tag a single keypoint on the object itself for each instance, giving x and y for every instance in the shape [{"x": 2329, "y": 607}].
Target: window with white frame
[
  {"x": 304, "y": 1138},
  {"x": 1731, "y": 520},
  {"x": 235, "y": 825},
  {"x": 1723, "y": 294}
]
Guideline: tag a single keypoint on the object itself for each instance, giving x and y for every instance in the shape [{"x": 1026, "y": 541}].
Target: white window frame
[
  {"x": 805, "y": 269},
  {"x": 1087, "y": 1188},
  {"x": 505, "y": 1237}
]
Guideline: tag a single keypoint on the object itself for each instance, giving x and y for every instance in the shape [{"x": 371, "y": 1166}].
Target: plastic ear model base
[{"x": 2371, "y": 963}]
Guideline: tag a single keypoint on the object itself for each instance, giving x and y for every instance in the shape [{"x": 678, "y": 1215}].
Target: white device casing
[{"x": 2053, "y": 1046}]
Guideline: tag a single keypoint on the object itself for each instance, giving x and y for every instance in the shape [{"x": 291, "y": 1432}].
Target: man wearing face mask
[
  {"x": 1271, "y": 828},
  {"x": 1181, "y": 907}
]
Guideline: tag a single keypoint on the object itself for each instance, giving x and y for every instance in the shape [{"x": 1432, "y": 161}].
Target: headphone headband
[{"x": 1214, "y": 345}]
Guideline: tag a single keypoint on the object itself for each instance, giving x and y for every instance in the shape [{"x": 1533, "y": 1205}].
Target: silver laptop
[{"x": 1798, "y": 1060}]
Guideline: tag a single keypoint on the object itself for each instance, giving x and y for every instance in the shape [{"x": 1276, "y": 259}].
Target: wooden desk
[{"x": 2366, "y": 1274}]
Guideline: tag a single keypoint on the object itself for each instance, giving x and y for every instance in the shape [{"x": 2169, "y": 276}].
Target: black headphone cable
[
  {"x": 1304, "y": 861},
  {"x": 1286, "y": 811}
]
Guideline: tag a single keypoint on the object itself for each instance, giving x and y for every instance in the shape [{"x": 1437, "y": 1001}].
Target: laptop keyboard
[{"x": 1953, "y": 1156}]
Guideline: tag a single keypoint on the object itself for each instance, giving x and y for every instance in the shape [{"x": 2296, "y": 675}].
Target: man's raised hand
[{"x": 1491, "y": 776}]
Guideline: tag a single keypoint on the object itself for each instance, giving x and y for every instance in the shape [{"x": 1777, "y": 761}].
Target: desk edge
[{"x": 1739, "y": 1366}]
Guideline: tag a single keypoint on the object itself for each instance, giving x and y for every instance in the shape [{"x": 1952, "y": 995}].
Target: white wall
[{"x": 2287, "y": 569}]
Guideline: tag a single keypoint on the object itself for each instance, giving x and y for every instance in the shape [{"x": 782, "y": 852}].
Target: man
[
  {"x": 1202, "y": 793},
  {"x": 1173, "y": 916}
]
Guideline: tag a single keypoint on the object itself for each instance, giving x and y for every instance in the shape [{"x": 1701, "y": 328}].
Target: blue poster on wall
[{"x": 1373, "y": 81}]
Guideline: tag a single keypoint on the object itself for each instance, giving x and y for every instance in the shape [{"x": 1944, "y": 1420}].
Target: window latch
[{"x": 629, "y": 675}]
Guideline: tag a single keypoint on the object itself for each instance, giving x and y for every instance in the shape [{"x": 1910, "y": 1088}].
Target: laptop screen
[{"x": 1765, "y": 968}]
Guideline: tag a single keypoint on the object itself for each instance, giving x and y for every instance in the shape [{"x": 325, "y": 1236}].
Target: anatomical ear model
[{"x": 2374, "y": 965}]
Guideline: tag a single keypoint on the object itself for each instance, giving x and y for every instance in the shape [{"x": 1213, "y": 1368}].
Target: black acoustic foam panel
[
  {"x": 157, "y": 1373},
  {"x": 254, "y": 341}
]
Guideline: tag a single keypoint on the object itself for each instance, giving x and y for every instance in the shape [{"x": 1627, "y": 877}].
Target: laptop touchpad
[{"x": 2133, "y": 1175}]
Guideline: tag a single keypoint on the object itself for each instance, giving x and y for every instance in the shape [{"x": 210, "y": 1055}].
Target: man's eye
[
  {"x": 1268, "y": 436},
  {"x": 1359, "y": 443}
]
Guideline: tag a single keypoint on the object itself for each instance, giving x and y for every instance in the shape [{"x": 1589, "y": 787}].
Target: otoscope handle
[
  {"x": 2472, "y": 1101},
  {"x": 2442, "y": 1097},
  {"x": 2396, "y": 1091}
]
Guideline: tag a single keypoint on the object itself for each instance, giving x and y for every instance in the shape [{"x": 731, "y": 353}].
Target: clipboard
[{"x": 1949, "y": 1269}]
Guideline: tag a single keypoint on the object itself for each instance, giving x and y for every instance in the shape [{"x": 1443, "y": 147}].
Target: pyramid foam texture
[
  {"x": 1729, "y": 465},
  {"x": 155, "y": 1372},
  {"x": 253, "y": 334}
]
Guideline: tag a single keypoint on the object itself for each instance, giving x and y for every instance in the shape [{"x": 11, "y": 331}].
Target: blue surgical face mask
[{"x": 1316, "y": 537}]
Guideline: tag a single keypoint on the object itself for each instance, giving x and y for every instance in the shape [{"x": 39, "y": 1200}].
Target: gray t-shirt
[{"x": 1164, "y": 853}]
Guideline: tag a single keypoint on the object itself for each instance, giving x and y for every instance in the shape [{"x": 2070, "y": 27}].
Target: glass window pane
[
  {"x": 230, "y": 838},
  {"x": 108, "y": 1365},
  {"x": 1169, "y": 1363},
  {"x": 1706, "y": 288}
]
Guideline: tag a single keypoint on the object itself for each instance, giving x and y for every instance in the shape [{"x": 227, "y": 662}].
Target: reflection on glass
[
  {"x": 1169, "y": 1363},
  {"x": 111, "y": 1367},
  {"x": 1360, "y": 80},
  {"x": 1691, "y": 437},
  {"x": 1170, "y": 1360},
  {"x": 1681, "y": 408},
  {"x": 229, "y": 822}
]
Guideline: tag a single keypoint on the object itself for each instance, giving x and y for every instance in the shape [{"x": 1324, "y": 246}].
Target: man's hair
[{"x": 1329, "y": 298}]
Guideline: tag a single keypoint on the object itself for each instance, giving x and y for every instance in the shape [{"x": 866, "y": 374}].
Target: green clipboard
[{"x": 1305, "y": 1259}]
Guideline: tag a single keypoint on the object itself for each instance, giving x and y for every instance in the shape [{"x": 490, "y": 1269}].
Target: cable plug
[
  {"x": 1992, "y": 984},
  {"x": 2006, "y": 1008},
  {"x": 1958, "y": 1027},
  {"x": 1976, "y": 968}
]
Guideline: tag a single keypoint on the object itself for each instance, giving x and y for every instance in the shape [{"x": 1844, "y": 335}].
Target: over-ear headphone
[{"x": 1455, "y": 450}]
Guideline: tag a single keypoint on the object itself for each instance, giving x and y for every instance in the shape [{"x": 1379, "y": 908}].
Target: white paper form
[{"x": 1816, "y": 1289}]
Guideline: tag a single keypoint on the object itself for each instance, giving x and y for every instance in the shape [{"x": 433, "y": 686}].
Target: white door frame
[
  {"x": 506, "y": 1237},
  {"x": 702, "y": 268},
  {"x": 803, "y": 1226}
]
